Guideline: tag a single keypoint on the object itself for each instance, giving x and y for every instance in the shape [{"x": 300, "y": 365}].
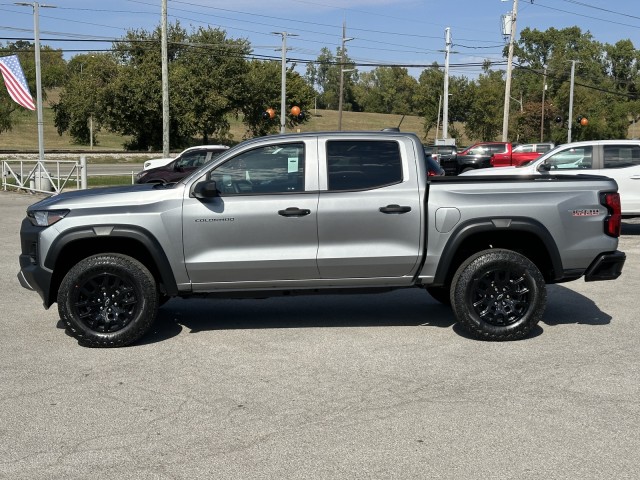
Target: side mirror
[
  {"x": 544, "y": 167},
  {"x": 206, "y": 189}
]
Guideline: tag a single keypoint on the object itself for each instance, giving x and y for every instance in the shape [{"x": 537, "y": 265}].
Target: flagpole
[{"x": 36, "y": 29}]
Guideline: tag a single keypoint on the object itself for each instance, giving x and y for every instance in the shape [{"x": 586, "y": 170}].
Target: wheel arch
[
  {"x": 135, "y": 242},
  {"x": 523, "y": 235}
]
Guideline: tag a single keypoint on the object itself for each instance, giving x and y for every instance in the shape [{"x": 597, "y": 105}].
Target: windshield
[{"x": 529, "y": 162}]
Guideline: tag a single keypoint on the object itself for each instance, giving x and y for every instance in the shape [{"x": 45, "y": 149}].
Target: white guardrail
[{"x": 47, "y": 176}]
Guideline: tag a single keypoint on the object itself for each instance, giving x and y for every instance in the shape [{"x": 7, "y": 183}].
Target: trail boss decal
[{"x": 587, "y": 212}]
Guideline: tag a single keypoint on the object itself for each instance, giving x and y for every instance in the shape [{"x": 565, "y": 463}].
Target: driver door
[{"x": 261, "y": 230}]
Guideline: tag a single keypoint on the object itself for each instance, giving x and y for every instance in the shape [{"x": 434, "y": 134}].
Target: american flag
[{"x": 15, "y": 81}]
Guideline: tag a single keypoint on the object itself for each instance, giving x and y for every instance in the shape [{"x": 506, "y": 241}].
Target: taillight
[{"x": 613, "y": 221}]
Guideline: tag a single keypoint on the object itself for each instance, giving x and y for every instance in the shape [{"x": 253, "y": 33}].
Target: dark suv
[
  {"x": 476, "y": 156},
  {"x": 189, "y": 161}
]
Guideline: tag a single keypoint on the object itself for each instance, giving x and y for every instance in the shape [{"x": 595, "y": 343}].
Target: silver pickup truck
[{"x": 319, "y": 213}]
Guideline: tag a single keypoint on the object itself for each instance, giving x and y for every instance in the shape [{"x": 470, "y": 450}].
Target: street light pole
[
  {"x": 569, "y": 121},
  {"x": 544, "y": 91},
  {"x": 342, "y": 70},
  {"x": 36, "y": 33},
  {"x": 283, "y": 88},
  {"x": 445, "y": 112}
]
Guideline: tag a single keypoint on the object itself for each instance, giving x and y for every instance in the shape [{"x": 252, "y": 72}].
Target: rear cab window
[{"x": 362, "y": 164}]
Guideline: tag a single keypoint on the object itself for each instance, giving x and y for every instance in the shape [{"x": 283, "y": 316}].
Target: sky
[{"x": 410, "y": 33}]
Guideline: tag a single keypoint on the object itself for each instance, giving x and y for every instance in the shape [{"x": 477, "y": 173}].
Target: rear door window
[
  {"x": 363, "y": 164},
  {"x": 621, "y": 156}
]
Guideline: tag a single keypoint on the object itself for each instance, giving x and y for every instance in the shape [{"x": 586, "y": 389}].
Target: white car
[
  {"x": 161, "y": 162},
  {"x": 617, "y": 159}
]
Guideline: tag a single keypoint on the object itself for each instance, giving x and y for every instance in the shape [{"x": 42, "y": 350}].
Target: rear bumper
[{"x": 607, "y": 266}]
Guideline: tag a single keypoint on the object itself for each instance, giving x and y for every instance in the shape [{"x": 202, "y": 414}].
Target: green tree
[
  {"x": 207, "y": 83},
  {"x": 484, "y": 118},
  {"x": 81, "y": 102},
  {"x": 324, "y": 76},
  {"x": 387, "y": 90},
  {"x": 262, "y": 91},
  {"x": 605, "y": 87},
  {"x": 205, "y": 78}
]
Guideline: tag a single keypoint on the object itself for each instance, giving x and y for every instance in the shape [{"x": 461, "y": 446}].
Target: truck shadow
[{"x": 402, "y": 308}]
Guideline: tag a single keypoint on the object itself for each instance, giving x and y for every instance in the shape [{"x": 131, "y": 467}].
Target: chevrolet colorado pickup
[{"x": 319, "y": 213}]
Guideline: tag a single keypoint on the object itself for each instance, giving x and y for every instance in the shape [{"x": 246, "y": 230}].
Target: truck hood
[{"x": 108, "y": 196}]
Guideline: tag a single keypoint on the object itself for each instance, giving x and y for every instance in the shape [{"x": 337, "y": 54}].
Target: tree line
[{"x": 213, "y": 79}]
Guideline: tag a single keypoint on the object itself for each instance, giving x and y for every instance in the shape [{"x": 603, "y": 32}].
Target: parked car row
[
  {"x": 488, "y": 154},
  {"x": 617, "y": 159}
]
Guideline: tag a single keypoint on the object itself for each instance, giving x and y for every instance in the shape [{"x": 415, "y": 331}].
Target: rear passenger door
[{"x": 369, "y": 212}]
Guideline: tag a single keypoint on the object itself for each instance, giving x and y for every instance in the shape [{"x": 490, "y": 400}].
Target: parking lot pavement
[{"x": 337, "y": 387}]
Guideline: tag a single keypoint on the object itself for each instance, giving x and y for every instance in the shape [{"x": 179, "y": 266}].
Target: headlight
[
  {"x": 139, "y": 175},
  {"x": 46, "y": 218},
  {"x": 146, "y": 165}
]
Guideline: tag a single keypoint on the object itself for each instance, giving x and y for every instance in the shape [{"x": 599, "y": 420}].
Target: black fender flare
[
  {"x": 132, "y": 232},
  {"x": 487, "y": 224}
]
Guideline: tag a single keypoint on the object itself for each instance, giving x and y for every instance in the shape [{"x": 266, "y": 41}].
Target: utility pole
[
  {"x": 445, "y": 111},
  {"x": 342, "y": 70},
  {"x": 36, "y": 33},
  {"x": 544, "y": 91},
  {"x": 165, "y": 83},
  {"x": 507, "y": 90},
  {"x": 283, "y": 88},
  {"x": 569, "y": 122},
  {"x": 438, "y": 120}
]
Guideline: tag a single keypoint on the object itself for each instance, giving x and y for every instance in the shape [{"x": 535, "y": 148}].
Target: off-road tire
[
  {"x": 108, "y": 300},
  {"x": 440, "y": 294},
  {"x": 498, "y": 295}
]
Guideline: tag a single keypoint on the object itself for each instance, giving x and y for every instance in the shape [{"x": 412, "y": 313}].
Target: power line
[
  {"x": 585, "y": 16},
  {"x": 582, "y": 4}
]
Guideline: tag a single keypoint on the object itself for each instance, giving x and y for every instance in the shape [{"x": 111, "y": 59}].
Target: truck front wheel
[
  {"x": 108, "y": 300},
  {"x": 498, "y": 295}
]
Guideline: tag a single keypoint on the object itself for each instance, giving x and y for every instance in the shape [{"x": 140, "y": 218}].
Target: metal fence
[{"x": 47, "y": 176}]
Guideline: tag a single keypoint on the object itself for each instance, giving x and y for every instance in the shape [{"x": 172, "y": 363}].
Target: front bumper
[
  {"x": 607, "y": 266},
  {"x": 32, "y": 275}
]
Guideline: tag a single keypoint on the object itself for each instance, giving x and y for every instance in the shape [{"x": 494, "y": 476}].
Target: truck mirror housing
[{"x": 206, "y": 189}]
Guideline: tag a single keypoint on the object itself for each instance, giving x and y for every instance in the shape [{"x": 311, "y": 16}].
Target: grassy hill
[{"x": 24, "y": 135}]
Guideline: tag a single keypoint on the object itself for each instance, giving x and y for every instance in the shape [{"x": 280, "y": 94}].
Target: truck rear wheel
[
  {"x": 498, "y": 295},
  {"x": 108, "y": 300}
]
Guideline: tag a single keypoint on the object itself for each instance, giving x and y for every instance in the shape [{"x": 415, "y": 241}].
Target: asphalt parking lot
[{"x": 338, "y": 387}]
